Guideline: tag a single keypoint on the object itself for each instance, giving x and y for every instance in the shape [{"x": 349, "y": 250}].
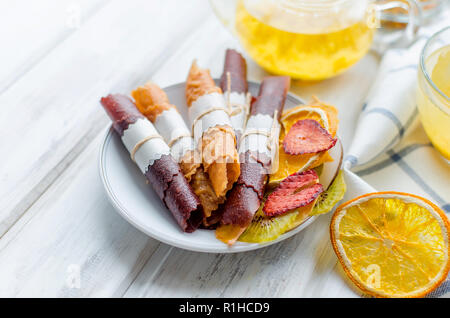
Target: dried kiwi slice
[
  {"x": 319, "y": 169},
  {"x": 265, "y": 229},
  {"x": 329, "y": 198}
]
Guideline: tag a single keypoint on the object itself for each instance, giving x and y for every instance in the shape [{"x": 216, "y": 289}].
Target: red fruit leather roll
[
  {"x": 152, "y": 155},
  {"x": 257, "y": 151},
  {"x": 235, "y": 88}
]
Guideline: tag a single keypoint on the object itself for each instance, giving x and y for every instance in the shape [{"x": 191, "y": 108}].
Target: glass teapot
[{"x": 307, "y": 39}]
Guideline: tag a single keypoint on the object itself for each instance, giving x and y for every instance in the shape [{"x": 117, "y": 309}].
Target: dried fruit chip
[
  {"x": 299, "y": 180},
  {"x": 400, "y": 236},
  {"x": 307, "y": 136},
  {"x": 329, "y": 198},
  {"x": 297, "y": 190},
  {"x": 327, "y": 116},
  {"x": 265, "y": 229}
]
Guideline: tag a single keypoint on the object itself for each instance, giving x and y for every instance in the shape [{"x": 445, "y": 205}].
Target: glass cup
[
  {"x": 308, "y": 39},
  {"x": 433, "y": 92}
]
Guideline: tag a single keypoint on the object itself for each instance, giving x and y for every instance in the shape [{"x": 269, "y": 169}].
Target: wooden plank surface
[
  {"x": 53, "y": 110},
  {"x": 55, "y": 219},
  {"x": 31, "y": 29},
  {"x": 59, "y": 236}
]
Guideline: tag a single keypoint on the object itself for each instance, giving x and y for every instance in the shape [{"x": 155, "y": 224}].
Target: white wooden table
[{"x": 57, "y": 59}]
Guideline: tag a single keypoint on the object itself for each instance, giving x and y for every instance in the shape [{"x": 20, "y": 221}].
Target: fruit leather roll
[
  {"x": 152, "y": 156},
  {"x": 235, "y": 90},
  {"x": 212, "y": 130},
  {"x": 153, "y": 102},
  {"x": 258, "y": 152}
]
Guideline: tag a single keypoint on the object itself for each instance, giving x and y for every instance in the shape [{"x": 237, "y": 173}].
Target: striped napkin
[{"x": 390, "y": 150}]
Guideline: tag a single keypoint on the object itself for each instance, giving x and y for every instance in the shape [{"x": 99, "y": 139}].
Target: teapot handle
[{"x": 389, "y": 39}]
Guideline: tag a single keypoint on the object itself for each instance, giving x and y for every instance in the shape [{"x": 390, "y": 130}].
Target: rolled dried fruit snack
[
  {"x": 212, "y": 130},
  {"x": 235, "y": 90},
  {"x": 152, "y": 155},
  {"x": 258, "y": 152},
  {"x": 153, "y": 102}
]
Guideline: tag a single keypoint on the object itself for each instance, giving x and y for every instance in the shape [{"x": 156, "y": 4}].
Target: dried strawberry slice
[
  {"x": 307, "y": 136},
  {"x": 299, "y": 180},
  {"x": 297, "y": 190}
]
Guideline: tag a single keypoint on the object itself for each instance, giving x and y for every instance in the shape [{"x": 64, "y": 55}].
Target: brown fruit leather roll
[
  {"x": 235, "y": 88},
  {"x": 237, "y": 67},
  {"x": 272, "y": 95},
  {"x": 121, "y": 110},
  {"x": 246, "y": 196},
  {"x": 163, "y": 173}
]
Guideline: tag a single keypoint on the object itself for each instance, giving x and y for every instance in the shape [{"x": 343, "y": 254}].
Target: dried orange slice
[
  {"x": 323, "y": 113},
  {"x": 392, "y": 244},
  {"x": 229, "y": 233}
]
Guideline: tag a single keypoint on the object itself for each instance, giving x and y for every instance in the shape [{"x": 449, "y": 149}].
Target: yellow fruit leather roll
[
  {"x": 212, "y": 130},
  {"x": 154, "y": 104}
]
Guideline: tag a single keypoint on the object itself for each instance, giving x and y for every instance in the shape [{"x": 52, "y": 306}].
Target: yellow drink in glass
[
  {"x": 433, "y": 93},
  {"x": 312, "y": 46}
]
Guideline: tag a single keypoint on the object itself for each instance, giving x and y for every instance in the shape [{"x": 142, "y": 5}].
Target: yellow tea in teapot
[{"x": 288, "y": 39}]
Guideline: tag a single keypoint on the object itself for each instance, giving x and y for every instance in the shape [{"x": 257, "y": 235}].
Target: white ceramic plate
[{"x": 136, "y": 201}]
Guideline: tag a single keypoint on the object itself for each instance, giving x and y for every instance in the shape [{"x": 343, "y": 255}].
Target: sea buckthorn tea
[{"x": 433, "y": 93}]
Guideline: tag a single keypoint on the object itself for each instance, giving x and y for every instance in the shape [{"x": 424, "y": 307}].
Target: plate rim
[{"x": 122, "y": 210}]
